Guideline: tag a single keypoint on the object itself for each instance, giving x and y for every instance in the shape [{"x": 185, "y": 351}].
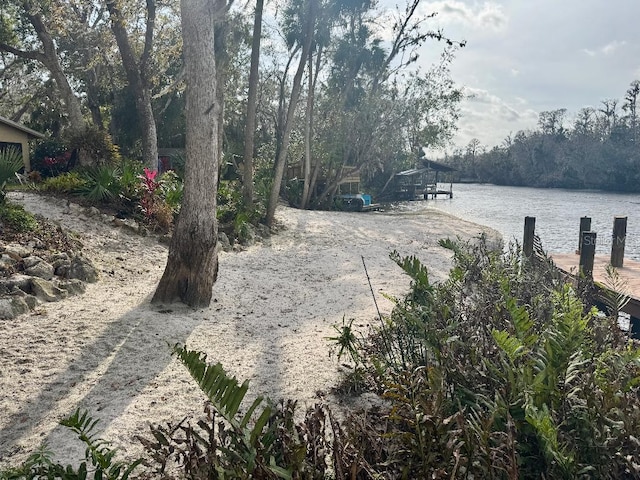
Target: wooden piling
[
  {"x": 585, "y": 226},
  {"x": 587, "y": 253},
  {"x": 529, "y": 232},
  {"x": 618, "y": 241}
]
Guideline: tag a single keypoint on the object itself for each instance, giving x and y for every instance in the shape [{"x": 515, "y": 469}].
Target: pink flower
[{"x": 150, "y": 174}]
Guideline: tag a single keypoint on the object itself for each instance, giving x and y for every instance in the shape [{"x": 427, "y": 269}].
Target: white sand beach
[{"x": 275, "y": 303}]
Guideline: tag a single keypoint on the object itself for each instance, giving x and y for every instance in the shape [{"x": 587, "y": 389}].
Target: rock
[
  {"x": 61, "y": 264},
  {"x": 17, "y": 280},
  {"x": 263, "y": 231},
  {"x": 82, "y": 269},
  {"x": 11, "y": 307},
  {"x": 17, "y": 251},
  {"x": 30, "y": 300},
  {"x": 7, "y": 262},
  {"x": 92, "y": 212},
  {"x": 223, "y": 240},
  {"x": 46, "y": 291},
  {"x": 249, "y": 235},
  {"x": 31, "y": 260},
  {"x": 41, "y": 269},
  {"x": 72, "y": 287}
]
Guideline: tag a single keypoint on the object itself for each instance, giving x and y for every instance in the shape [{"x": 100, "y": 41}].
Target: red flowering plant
[
  {"x": 149, "y": 199},
  {"x": 57, "y": 164}
]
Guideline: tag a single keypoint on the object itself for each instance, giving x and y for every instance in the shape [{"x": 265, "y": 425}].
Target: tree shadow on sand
[{"x": 105, "y": 379}]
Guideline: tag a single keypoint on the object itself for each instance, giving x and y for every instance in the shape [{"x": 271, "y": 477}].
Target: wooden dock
[
  {"x": 629, "y": 275},
  {"x": 586, "y": 262}
]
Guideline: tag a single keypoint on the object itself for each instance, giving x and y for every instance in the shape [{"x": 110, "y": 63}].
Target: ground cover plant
[{"x": 502, "y": 371}]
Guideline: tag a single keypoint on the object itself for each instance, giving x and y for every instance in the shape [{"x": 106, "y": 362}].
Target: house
[{"x": 13, "y": 134}]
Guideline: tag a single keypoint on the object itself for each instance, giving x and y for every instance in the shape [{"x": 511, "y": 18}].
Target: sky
[{"x": 527, "y": 56}]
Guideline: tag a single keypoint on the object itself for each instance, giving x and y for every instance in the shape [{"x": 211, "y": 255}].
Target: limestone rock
[
  {"x": 41, "y": 269},
  {"x": 17, "y": 251},
  {"x": 72, "y": 286},
  {"x": 46, "y": 291},
  {"x": 11, "y": 307},
  {"x": 17, "y": 280},
  {"x": 224, "y": 242},
  {"x": 82, "y": 269}
]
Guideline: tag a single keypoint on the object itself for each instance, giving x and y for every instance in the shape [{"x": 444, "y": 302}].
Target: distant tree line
[{"x": 599, "y": 150}]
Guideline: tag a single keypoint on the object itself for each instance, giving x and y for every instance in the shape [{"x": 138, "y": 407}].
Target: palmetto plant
[
  {"x": 10, "y": 163},
  {"x": 102, "y": 183}
]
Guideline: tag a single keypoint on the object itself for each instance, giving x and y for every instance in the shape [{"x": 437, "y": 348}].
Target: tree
[
  {"x": 250, "y": 127},
  {"x": 28, "y": 18},
  {"x": 307, "y": 12},
  {"x": 192, "y": 265},
  {"x": 138, "y": 75}
]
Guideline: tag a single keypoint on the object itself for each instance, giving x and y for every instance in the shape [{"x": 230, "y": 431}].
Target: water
[{"x": 557, "y": 213}]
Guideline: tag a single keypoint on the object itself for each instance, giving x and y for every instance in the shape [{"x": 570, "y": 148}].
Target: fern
[{"x": 248, "y": 443}]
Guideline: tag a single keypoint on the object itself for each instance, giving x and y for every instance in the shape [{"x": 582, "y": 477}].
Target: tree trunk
[
  {"x": 136, "y": 73},
  {"x": 192, "y": 265},
  {"x": 49, "y": 58},
  {"x": 281, "y": 160},
  {"x": 252, "y": 101}
]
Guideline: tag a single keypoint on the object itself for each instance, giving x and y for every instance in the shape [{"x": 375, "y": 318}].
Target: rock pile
[{"x": 29, "y": 278}]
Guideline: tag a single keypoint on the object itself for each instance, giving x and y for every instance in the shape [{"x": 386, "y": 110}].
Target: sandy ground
[{"x": 274, "y": 305}]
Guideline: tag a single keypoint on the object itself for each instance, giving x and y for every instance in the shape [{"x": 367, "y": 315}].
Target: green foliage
[
  {"x": 50, "y": 157},
  {"x": 233, "y": 218},
  {"x": 102, "y": 183},
  {"x": 15, "y": 217},
  {"x": 502, "y": 371},
  {"x": 129, "y": 180},
  {"x": 171, "y": 190},
  {"x": 262, "y": 442},
  {"x": 10, "y": 163},
  {"x": 99, "y": 463},
  {"x": 96, "y": 146},
  {"x": 70, "y": 182}
]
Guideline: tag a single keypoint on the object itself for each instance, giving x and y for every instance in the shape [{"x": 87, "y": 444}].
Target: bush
[
  {"x": 10, "y": 163},
  {"x": 51, "y": 157},
  {"x": 96, "y": 147},
  {"x": 70, "y": 182},
  {"x": 15, "y": 217},
  {"x": 502, "y": 371},
  {"x": 101, "y": 184}
]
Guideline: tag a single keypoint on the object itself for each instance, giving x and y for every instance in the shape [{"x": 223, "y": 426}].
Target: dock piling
[
  {"x": 585, "y": 226},
  {"x": 529, "y": 232},
  {"x": 587, "y": 253},
  {"x": 618, "y": 241}
]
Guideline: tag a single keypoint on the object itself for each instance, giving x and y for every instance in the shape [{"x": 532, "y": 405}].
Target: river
[{"x": 557, "y": 213}]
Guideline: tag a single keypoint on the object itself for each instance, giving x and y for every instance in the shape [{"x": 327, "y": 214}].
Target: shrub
[
  {"x": 15, "y": 217},
  {"x": 96, "y": 147},
  {"x": 502, "y": 371},
  {"x": 171, "y": 190},
  {"x": 70, "y": 182},
  {"x": 51, "y": 157},
  {"x": 99, "y": 458},
  {"x": 101, "y": 183},
  {"x": 10, "y": 163}
]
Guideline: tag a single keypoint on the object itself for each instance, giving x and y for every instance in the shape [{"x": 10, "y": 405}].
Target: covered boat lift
[{"x": 423, "y": 182}]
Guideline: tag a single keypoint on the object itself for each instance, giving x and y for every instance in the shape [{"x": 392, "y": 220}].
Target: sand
[{"x": 275, "y": 304}]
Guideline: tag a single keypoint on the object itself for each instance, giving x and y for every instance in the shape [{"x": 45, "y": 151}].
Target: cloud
[
  {"x": 608, "y": 49},
  {"x": 491, "y": 119},
  {"x": 485, "y": 15}
]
